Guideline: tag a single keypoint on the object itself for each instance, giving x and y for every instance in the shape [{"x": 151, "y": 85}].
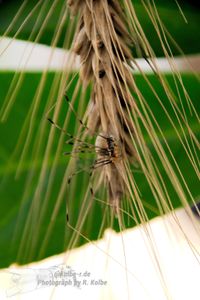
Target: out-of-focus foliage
[
  {"x": 14, "y": 213},
  {"x": 187, "y": 36}
]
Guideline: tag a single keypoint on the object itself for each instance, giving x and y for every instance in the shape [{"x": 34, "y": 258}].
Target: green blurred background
[{"x": 14, "y": 213}]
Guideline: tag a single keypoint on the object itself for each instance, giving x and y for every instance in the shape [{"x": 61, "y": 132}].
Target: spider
[
  {"x": 108, "y": 150},
  {"x": 107, "y": 147}
]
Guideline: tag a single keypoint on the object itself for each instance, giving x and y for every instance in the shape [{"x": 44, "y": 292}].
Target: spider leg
[
  {"x": 80, "y": 121},
  {"x": 77, "y": 151},
  {"x": 71, "y": 136}
]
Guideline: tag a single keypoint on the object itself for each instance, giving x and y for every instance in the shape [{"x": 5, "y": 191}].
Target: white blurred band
[{"x": 21, "y": 55}]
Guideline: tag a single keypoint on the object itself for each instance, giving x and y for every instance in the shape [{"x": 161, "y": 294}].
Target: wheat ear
[{"x": 103, "y": 43}]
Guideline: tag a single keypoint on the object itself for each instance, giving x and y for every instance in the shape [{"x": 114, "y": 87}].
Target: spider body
[{"x": 107, "y": 147}]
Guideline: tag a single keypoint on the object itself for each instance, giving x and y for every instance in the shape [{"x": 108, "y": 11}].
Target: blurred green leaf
[
  {"x": 187, "y": 36},
  {"x": 14, "y": 214}
]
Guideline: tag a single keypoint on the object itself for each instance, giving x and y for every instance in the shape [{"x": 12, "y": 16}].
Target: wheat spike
[{"x": 103, "y": 43}]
